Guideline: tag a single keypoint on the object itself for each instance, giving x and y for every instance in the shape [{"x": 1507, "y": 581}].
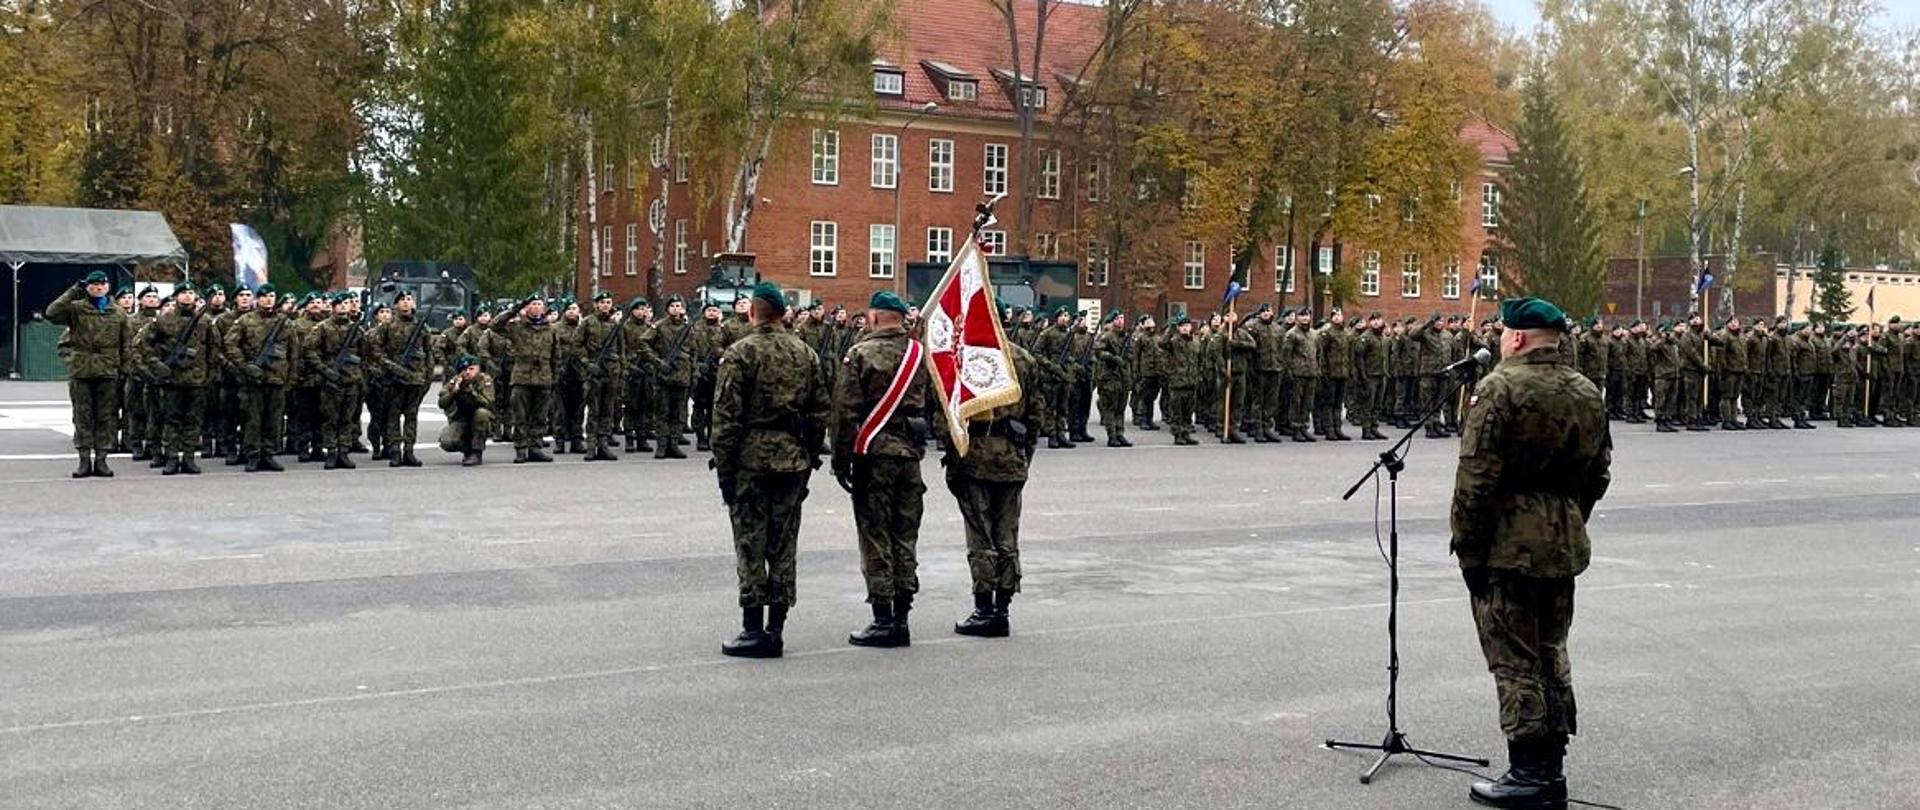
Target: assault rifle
[
  {"x": 265, "y": 359},
  {"x": 410, "y": 351},
  {"x": 600, "y": 362},
  {"x": 180, "y": 352},
  {"x": 671, "y": 362}
]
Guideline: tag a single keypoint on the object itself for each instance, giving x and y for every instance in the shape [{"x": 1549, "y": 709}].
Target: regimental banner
[
  {"x": 967, "y": 358},
  {"x": 249, "y": 257}
]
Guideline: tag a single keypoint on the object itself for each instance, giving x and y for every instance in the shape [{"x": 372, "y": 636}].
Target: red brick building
[{"x": 944, "y": 136}]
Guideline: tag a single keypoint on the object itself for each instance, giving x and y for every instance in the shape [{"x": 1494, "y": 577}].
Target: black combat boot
[
  {"x": 253, "y": 462},
  {"x": 1697, "y": 426},
  {"x": 141, "y": 453},
  {"x": 754, "y": 641},
  {"x": 594, "y": 448},
  {"x": 671, "y": 445},
  {"x": 170, "y": 464},
  {"x": 1113, "y": 439},
  {"x": 100, "y": 469},
  {"x": 269, "y": 464},
  {"x": 358, "y": 447},
  {"x": 1532, "y": 781},
  {"x": 575, "y": 447},
  {"x": 344, "y": 460},
  {"x": 1300, "y": 435},
  {"x": 157, "y": 459},
  {"x": 903, "y": 605},
  {"x": 606, "y": 451},
  {"x": 882, "y": 632},
  {"x": 701, "y": 440},
  {"x": 85, "y": 470},
  {"x": 983, "y": 622},
  {"x": 538, "y": 456},
  {"x": 519, "y": 455},
  {"x": 1234, "y": 437},
  {"x": 407, "y": 458},
  {"x": 1124, "y": 441},
  {"x": 776, "y": 622},
  {"x": 1372, "y": 434},
  {"x": 207, "y": 448},
  {"x": 333, "y": 462},
  {"x": 642, "y": 445},
  {"x": 188, "y": 466}
]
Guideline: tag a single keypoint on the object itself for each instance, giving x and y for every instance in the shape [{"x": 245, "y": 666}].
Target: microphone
[{"x": 1480, "y": 357}]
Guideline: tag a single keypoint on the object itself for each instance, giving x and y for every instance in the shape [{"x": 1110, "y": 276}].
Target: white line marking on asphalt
[
  {"x": 1659, "y": 486},
  {"x": 1152, "y": 508},
  {"x": 217, "y": 557},
  {"x": 1716, "y": 483},
  {"x": 601, "y": 674},
  {"x": 33, "y": 403},
  {"x": 371, "y": 549},
  {"x": 520, "y": 542},
  {"x": 1771, "y": 481},
  {"x": 36, "y": 456}
]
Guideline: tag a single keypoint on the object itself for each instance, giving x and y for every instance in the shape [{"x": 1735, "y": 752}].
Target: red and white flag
[{"x": 967, "y": 358}]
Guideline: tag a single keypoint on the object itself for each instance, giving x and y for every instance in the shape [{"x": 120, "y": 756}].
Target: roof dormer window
[
  {"x": 1033, "y": 96},
  {"x": 888, "y": 78},
  {"x": 963, "y": 91},
  {"x": 954, "y": 83}
]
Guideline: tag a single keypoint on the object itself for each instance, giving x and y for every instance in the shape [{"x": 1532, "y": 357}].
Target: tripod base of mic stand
[{"x": 1396, "y": 743}]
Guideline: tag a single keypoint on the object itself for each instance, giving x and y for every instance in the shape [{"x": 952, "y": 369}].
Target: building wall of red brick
[{"x": 1667, "y": 290}]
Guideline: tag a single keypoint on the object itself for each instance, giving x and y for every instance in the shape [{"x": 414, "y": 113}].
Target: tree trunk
[
  {"x": 666, "y": 189},
  {"x": 593, "y": 208}
]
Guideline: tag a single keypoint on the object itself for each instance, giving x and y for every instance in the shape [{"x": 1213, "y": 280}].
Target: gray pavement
[{"x": 1196, "y": 622}]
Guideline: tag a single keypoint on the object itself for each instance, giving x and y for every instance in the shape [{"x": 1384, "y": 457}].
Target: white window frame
[
  {"x": 606, "y": 172},
  {"x": 1097, "y": 264},
  {"x": 1489, "y": 205},
  {"x": 1324, "y": 261},
  {"x": 826, "y": 157},
  {"x": 681, "y": 168},
  {"x": 1096, "y": 180},
  {"x": 993, "y": 243},
  {"x": 1033, "y": 96},
  {"x": 633, "y": 173},
  {"x": 633, "y": 250},
  {"x": 1456, "y": 190},
  {"x": 1370, "y": 274},
  {"x": 889, "y": 82},
  {"x": 1489, "y": 273},
  {"x": 680, "y": 247},
  {"x": 1450, "y": 279},
  {"x": 940, "y": 165},
  {"x": 1193, "y": 267},
  {"x": 1283, "y": 268},
  {"x": 1409, "y": 275},
  {"x": 993, "y": 178},
  {"x": 1049, "y": 175},
  {"x": 606, "y": 249},
  {"x": 940, "y": 245},
  {"x": 823, "y": 249},
  {"x": 882, "y": 247},
  {"x": 884, "y": 163},
  {"x": 962, "y": 90},
  {"x": 1046, "y": 245}
]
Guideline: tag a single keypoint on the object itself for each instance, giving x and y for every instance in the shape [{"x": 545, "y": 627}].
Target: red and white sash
[{"x": 889, "y": 402}]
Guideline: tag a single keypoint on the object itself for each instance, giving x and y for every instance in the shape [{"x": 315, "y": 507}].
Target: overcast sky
[{"x": 1523, "y": 14}]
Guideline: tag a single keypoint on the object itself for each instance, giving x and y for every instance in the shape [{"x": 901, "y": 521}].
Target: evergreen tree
[
  {"x": 1833, "y": 303},
  {"x": 1547, "y": 224},
  {"x": 474, "y": 191}
]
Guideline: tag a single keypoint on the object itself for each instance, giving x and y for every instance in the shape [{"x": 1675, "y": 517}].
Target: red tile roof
[
  {"x": 971, "y": 36},
  {"x": 1493, "y": 143}
]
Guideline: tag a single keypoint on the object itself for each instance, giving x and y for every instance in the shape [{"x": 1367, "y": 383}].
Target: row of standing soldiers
[{"x": 1271, "y": 376}]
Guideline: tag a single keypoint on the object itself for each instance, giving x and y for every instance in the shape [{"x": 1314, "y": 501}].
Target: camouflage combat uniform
[
  {"x": 93, "y": 348},
  {"x": 769, "y": 386},
  {"x": 887, "y": 490}
]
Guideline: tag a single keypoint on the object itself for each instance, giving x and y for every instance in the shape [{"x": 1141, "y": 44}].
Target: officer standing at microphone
[{"x": 1534, "y": 457}]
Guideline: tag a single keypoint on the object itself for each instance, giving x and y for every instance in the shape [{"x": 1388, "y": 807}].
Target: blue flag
[
  {"x": 1706, "y": 280},
  {"x": 1233, "y": 291}
]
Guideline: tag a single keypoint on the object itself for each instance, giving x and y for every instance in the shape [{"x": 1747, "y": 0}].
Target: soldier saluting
[
  {"x": 769, "y": 412},
  {"x": 879, "y": 437},
  {"x": 94, "y": 347},
  {"x": 1534, "y": 458}
]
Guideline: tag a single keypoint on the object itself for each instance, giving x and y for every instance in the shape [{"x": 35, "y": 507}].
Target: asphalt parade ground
[{"x": 1195, "y": 622}]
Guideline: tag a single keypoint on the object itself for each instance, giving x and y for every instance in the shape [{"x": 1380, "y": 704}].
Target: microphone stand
[{"x": 1393, "y": 460}]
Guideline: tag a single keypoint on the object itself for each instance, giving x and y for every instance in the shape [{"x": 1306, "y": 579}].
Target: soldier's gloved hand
[
  {"x": 253, "y": 373},
  {"x": 729, "y": 487},
  {"x": 1479, "y": 579}
]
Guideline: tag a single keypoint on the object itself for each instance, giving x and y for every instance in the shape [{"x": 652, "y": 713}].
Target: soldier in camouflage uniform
[
  {"x": 332, "y": 352},
  {"x": 770, "y": 412},
  {"x": 879, "y": 437},
  {"x": 303, "y": 399},
  {"x": 536, "y": 364},
  {"x": 1183, "y": 369},
  {"x": 1301, "y": 350},
  {"x": 1239, "y": 356},
  {"x": 1802, "y": 352},
  {"x": 1845, "y": 361},
  {"x": 1729, "y": 364},
  {"x": 1149, "y": 369},
  {"x": 178, "y": 350},
  {"x": 215, "y": 306},
  {"x": 1370, "y": 376},
  {"x": 398, "y": 349},
  {"x": 1053, "y": 347},
  {"x": 1113, "y": 374},
  {"x": 467, "y": 401},
  {"x": 93, "y": 348},
  {"x": 569, "y": 387},
  {"x": 140, "y": 395},
  {"x": 636, "y": 402},
  {"x": 1266, "y": 415},
  {"x": 1534, "y": 460},
  {"x": 265, "y": 334},
  {"x": 603, "y": 362},
  {"x": 987, "y": 483},
  {"x": 710, "y": 340},
  {"x": 676, "y": 346},
  {"x": 1080, "y": 395},
  {"x": 226, "y": 424},
  {"x": 1336, "y": 368}
]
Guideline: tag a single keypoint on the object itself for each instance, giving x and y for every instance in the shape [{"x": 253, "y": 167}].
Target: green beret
[
  {"x": 1110, "y": 317},
  {"x": 740, "y": 296},
  {"x": 477, "y": 312},
  {"x": 344, "y": 297},
  {"x": 675, "y": 299},
  {"x": 817, "y": 304},
  {"x": 1893, "y": 320},
  {"x": 95, "y": 277},
  {"x": 184, "y": 286},
  {"x": 215, "y": 289},
  {"x": 1591, "y": 321},
  {"x": 1532, "y": 313},
  {"x": 1063, "y": 309},
  {"x": 882, "y": 299},
  {"x": 379, "y": 308},
  {"x": 149, "y": 290},
  {"x": 242, "y": 289},
  {"x": 466, "y": 361},
  {"x": 636, "y": 303},
  {"x": 1264, "y": 307},
  {"x": 1176, "y": 319},
  {"x": 403, "y": 294},
  {"x": 603, "y": 295},
  {"x": 770, "y": 292},
  {"x": 837, "y": 309}
]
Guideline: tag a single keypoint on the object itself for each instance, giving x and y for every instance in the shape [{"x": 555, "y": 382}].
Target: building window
[
  {"x": 1046, "y": 245},
  {"x": 1450, "y": 279},
  {"x": 606, "y": 248},
  {"x": 1324, "y": 266},
  {"x": 1283, "y": 268},
  {"x": 633, "y": 173},
  {"x": 1033, "y": 96},
  {"x": 939, "y": 165},
  {"x": 889, "y": 83},
  {"x": 962, "y": 91},
  {"x": 680, "y": 247},
  {"x": 993, "y": 178},
  {"x": 1410, "y": 275},
  {"x": 633, "y": 250},
  {"x": 940, "y": 245},
  {"x": 886, "y": 161},
  {"x": 1489, "y": 281},
  {"x": 880, "y": 251},
  {"x": 1489, "y": 205},
  {"x": 680, "y": 168},
  {"x": 1097, "y": 264},
  {"x": 1370, "y": 273},
  {"x": 1194, "y": 275},
  {"x": 1050, "y": 174},
  {"x": 826, "y": 157},
  {"x": 823, "y": 256},
  {"x": 606, "y": 175},
  {"x": 1096, "y": 181},
  {"x": 993, "y": 243}
]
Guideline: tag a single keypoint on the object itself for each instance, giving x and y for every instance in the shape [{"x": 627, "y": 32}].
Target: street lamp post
[{"x": 899, "y": 178}]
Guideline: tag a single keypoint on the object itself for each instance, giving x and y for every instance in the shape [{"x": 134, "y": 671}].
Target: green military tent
[{"x": 48, "y": 248}]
